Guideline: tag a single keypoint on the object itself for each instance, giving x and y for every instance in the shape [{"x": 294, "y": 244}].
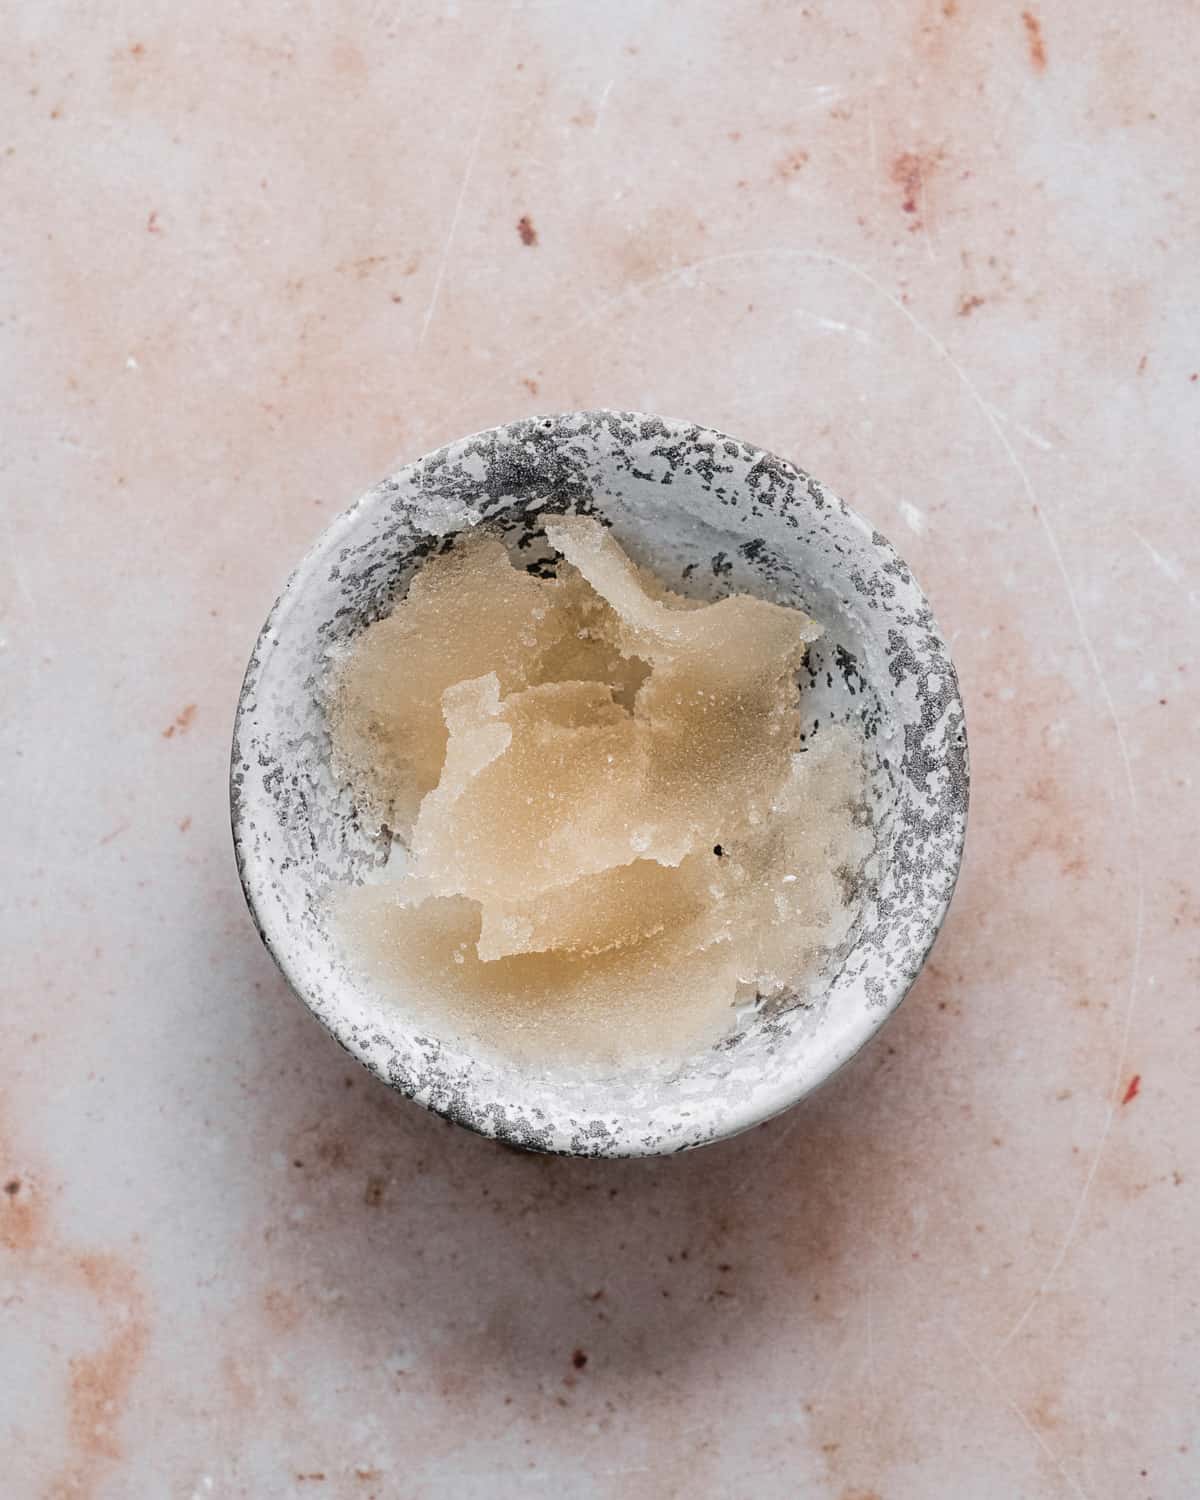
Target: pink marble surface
[{"x": 945, "y": 255}]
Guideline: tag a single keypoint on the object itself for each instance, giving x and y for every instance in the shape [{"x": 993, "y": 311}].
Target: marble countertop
[{"x": 251, "y": 258}]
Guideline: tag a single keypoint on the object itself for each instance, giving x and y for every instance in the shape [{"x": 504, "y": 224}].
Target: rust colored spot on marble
[
  {"x": 1037, "y": 44},
  {"x": 531, "y": 386},
  {"x": 360, "y": 268},
  {"x": 1044, "y": 1413},
  {"x": 333, "y": 1153},
  {"x": 239, "y": 1383},
  {"x": 282, "y": 1310},
  {"x": 22, "y": 1221},
  {"x": 526, "y": 230},
  {"x": 967, "y": 306},
  {"x": 152, "y": 224},
  {"x": 100, "y": 1382},
  {"x": 793, "y": 162},
  {"x": 933, "y": 39},
  {"x": 1052, "y": 826},
  {"x": 349, "y": 61},
  {"x": 579, "y": 1359},
  {"x": 1133, "y": 1089},
  {"x": 185, "y": 824},
  {"x": 182, "y": 722},
  {"x": 910, "y": 172}
]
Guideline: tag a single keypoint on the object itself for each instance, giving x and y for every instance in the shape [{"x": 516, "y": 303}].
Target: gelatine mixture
[{"x": 615, "y": 837}]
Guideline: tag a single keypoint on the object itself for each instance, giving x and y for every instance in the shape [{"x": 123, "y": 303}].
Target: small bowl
[{"x": 710, "y": 515}]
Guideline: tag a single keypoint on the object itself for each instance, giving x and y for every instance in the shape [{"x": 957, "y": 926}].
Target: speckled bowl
[{"x": 710, "y": 515}]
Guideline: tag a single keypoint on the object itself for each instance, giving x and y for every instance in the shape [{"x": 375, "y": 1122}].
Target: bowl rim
[{"x": 753, "y": 1109}]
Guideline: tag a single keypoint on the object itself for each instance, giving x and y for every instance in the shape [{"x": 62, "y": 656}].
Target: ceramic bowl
[{"x": 710, "y": 515}]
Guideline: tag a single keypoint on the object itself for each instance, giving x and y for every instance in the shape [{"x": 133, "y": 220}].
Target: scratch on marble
[
  {"x": 833, "y": 1367},
  {"x": 28, "y": 598},
  {"x": 786, "y": 253},
  {"x": 914, "y": 518},
  {"x": 601, "y": 102},
  {"x": 834, "y": 326},
  {"x": 1026, "y": 432},
  {"x": 926, "y": 233},
  {"x": 826, "y": 93},
  {"x": 990, "y": 1376},
  {"x": 1038, "y": 442},
  {"x": 485, "y": 104},
  {"x": 1136, "y": 851},
  {"x": 1165, "y": 565},
  {"x": 955, "y": 1335},
  {"x": 1105, "y": 691}
]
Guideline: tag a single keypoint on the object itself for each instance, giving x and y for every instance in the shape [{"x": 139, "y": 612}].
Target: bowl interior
[{"x": 710, "y": 515}]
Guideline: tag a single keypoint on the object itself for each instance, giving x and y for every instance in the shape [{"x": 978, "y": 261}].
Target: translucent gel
[{"x": 615, "y": 836}]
